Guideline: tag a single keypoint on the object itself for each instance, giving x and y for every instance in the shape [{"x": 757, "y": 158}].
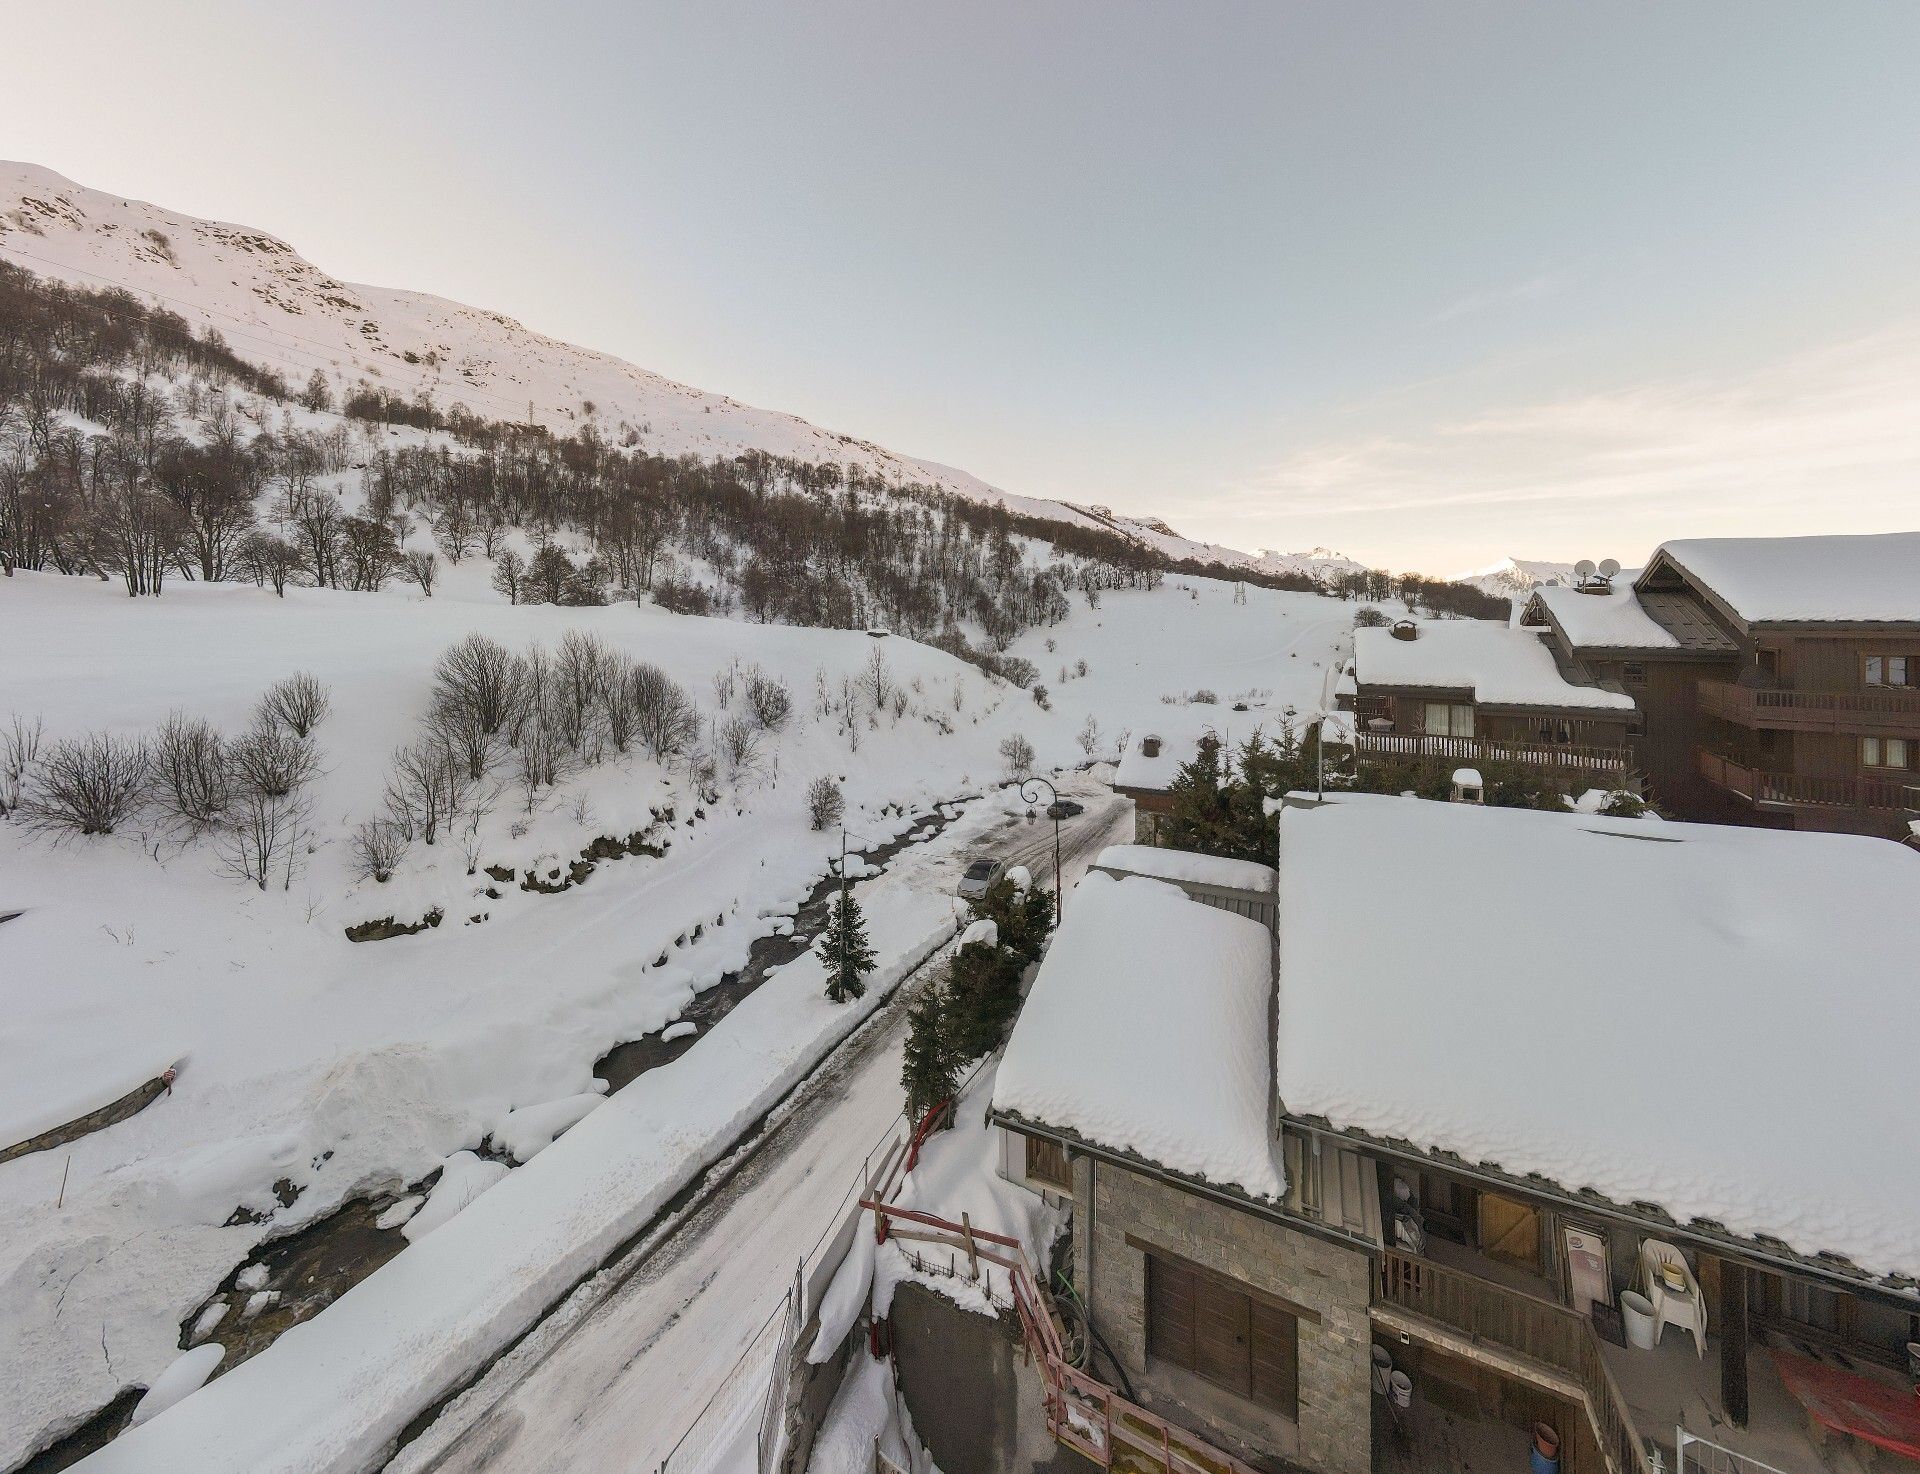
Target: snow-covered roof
[
  {"x": 1854, "y": 580},
  {"x": 1500, "y": 665},
  {"x": 1179, "y": 730},
  {"x": 1712, "y": 1018},
  {"x": 1179, "y": 865},
  {"x": 1146, "y": 1032},
  {"x": 1613, "y": 620}
]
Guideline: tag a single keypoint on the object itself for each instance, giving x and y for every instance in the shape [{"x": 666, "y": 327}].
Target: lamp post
[
  {"x": 843, "y": 895},
  {"x": 1053, "y": 813}
]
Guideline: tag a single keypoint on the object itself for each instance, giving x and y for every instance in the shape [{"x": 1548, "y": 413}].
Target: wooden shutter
[
  {"x": 1276, "y": 1359},
  {"x": 1222, "y": 1331},
  {"x": 1047, "y": 1162},
  {"x": 1509, "y": 1231},
  {"x": 1170, "y": 1292}
]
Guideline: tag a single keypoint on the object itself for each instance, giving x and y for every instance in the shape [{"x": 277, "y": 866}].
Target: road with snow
[{"x": 653, "y": 1346}]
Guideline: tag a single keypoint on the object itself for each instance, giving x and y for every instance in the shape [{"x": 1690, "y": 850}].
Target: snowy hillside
[
  {"x": 280, "y": 310},
  {"x": 1322, "y": 565},
  {"x": 318, "y": 1071},
  {"x": 1512, "y": 577}
]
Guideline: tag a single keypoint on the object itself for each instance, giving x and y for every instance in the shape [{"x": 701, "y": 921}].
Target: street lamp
[
  {"x": 1053, "y": 813},
  {"x": 843, "y": 891}
]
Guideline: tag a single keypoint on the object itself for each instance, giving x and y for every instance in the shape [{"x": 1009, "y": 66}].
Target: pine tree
[
  {"x": 843, "y": 948},
  {"x": 930, "y": 1066},
  {"x": 983, "y": 994}
]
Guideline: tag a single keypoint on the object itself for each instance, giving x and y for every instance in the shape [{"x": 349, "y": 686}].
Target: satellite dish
[
  {"x": 1583, "y": 569},
  {"x": 1609, "y": 567}
]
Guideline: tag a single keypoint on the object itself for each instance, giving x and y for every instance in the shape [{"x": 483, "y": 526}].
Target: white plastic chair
[{"x": 1673, "y": 1307}]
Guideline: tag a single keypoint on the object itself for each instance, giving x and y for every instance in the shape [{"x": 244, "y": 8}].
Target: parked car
[
  {"x": 980, "y": 878},
  {"x": 1065, "y": 808}
]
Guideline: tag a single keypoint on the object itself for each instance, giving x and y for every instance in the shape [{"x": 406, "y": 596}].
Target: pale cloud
[
  {"x": 1546, "y": 284},
  {"x": 1825, "y": 440}
]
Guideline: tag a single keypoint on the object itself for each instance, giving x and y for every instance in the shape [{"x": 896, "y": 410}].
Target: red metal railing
[
  {"x": 1796, "y": 790},
  {"x": 1082, "y": 1412}
]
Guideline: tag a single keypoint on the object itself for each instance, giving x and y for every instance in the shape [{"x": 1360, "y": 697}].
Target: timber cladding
[{"x": 1243, "y": 1328}]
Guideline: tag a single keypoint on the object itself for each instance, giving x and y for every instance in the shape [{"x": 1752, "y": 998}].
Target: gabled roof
[
  {"x": 1609, "y": 618},
  {"x": 1873, "y": 579},
  {"x": 1696, "y": 1016},
  {"x": 1496, "y": 664},
  {"x": 1146, "y": 1032}
]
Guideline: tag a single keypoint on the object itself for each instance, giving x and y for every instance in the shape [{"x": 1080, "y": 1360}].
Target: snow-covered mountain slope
[
  {"x": 1323, "y": 565},
  {"x": 280, "y": 310},
  {"x": 1514, "y": 576}
]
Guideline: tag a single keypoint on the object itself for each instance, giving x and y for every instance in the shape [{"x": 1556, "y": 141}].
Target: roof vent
[
  {"x": 1595, "y": 578},
  {"x": 1406, "y": 629}
]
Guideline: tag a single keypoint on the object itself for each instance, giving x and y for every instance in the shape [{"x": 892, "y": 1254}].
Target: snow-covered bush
[
  {"x": 824, "y": 803},
  {"x": 769, "y": 699},
  {"x": 87, "y": 785},
  {"x": 19, "y": 751},
  {"x": 738, "y": 741},
  {"x": 300, "y": 703},
  {"x": 1089, "y": 736},
  {"x": 375, "y": 849}
]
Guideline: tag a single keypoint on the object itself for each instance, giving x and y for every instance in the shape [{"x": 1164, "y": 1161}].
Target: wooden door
[
  {"x": 1170, "y": 1292},
  {"x": 1222, "y": 1332},
  {"x": 1509, "y": 1232},
  {"x": 1276, "y": 1359}
]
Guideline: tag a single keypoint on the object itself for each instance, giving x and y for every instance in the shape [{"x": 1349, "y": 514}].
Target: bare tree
[
  {"x": 19, "y": 751},
  {"x": 420, "y": 565},
  {"x": 377, "y": 847},
  {"x": 482, "y": 679},
  {"x": 664, "y": 715},
  {"x": 876, "y": 679},
  {"x": 299, "y": 703},
  {"x": 769, "y": 699},
  {"x": 580, "y": 666},
  {"x": 268, "y": 559},
  {"x": 192, "y": 779},
  {"x": 270, "y": 759},
  {"x": 87, "y": 785},
  {"x": 424, "y": 788},
  {"x": 1017, "y": 754},
  {"x": 738, "y": 742},
  {"x": 824, "y": 803},
  {"x": 510, "y": 575},
  {"x": 261, "y": 839},
  {"x": 1089, "y": 736}
]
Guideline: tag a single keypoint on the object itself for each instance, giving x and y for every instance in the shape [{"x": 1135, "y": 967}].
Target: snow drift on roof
[
  {"x": 1716, "y": 1019},
  {"x": 1613, "y": 620},
  {"x": 1865, "y": 580},
  {"x": 1146, "y": 1032},
  {"x": 1178, "y": 865},
  {"x": 1500, "y": 665},
  {"x": 1179, "y": 729}
]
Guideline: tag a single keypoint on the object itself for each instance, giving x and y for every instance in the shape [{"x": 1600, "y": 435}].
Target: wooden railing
[
  {"x": 1535, "y": 1330},
  {"x": 1866, "y": 711},
  {"x": 1612, "y": 762},
  {"x": 1797, "y": 790}
]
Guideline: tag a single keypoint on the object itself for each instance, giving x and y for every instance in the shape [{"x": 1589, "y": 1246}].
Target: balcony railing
[
  {"x": 1797, "y": 791},
  {"x": 1612, "y": 763},
  {"x": 1553, "y": 1336},
  {"x": 1869, "y": 712}
]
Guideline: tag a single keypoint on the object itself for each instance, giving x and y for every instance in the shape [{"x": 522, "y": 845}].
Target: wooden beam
[{"x": 1733, "y": 1341}]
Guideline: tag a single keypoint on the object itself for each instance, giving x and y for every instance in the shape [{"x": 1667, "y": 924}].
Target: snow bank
[
  {"x": 1146, "y": 1031},
  {"x": 188, "y": 1374},
  {"x": 1742, "y": 1050},
  {"x": 531, "y": 1129},
  {"x": 331, "y": 1393},
  {"x": 1500, "y": 665},
  {"x": 463, "y": 1177},
  {"x": 1178, "y": 865}
]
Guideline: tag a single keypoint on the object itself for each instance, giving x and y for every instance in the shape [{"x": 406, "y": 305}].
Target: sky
[{"x": 1433, "y": 282}]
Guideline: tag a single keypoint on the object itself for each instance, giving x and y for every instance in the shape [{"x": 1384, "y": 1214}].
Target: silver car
[{"x": 979, "y": 878}]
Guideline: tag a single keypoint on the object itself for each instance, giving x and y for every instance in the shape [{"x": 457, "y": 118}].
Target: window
[
  {"x": 1886, "y": 752},
  {"x": 1634, "y": 673},
  {"x": 1892, "y": 670},
  {"x": 1047, "y": 1162},
  {"x": 1223, "y": 1331},
  {"x": 1448, "y": 719}
]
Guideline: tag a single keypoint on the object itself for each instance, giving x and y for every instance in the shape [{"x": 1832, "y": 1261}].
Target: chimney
[
  {"x": 1150, "y": 747},
  {"x": 1406, "y": 629}
]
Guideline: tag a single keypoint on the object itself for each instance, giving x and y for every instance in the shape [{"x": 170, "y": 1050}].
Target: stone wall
[{"x": 1333, "y": 1434}]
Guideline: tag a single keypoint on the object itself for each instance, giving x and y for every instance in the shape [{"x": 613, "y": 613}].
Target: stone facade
[{"x": 1333, "y": 1434}]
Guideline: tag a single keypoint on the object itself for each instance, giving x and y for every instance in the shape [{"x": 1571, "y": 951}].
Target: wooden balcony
[
  {"x": 1888, "y": 712},
  {"x": 1540, "y": 1340},
  {"x": 1786, "y": 791},
  {"x": 1608, "y": 766}
]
